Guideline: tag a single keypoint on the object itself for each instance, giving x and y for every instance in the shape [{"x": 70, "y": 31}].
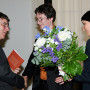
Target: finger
[
  {"x": 59, "y": 79},
  {"x": 18, "y": 69},
  {"x": 22, "y": 88},
  {"x": 61, "y": 83},
  {"x": 26, "y": 79}
]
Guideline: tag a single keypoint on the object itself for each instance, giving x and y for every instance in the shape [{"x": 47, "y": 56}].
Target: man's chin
[
  {"x": 40, "y": 27},
  {"x": 2, "y": 38}
]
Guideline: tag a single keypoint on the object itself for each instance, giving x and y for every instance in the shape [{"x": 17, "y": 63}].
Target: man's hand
[
  {"x": 25, "y": 80},
  {"x": 59, "y": 80},
  {"x": 17, "y": 70}
]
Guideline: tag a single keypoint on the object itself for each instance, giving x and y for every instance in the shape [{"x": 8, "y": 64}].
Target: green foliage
[
  {"x": 70, "y": 58},
  {"x": 42, "y": 59}
]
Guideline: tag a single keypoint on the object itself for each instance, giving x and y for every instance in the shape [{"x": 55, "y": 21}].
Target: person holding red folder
[{"x": 8, "y": 78}]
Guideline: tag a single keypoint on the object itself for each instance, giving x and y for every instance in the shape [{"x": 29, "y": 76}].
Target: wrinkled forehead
[{"x": 4, "y": 21}]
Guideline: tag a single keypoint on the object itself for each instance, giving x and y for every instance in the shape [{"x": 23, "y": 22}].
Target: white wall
[
  {"x": 20, "y": 34},
  {"x": 22, "y": 26}
]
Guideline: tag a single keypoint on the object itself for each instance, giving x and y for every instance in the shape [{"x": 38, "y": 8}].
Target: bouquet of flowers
[{"x": 59, "y": 47}]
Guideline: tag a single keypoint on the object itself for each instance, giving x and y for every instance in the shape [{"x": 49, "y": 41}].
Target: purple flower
[
  {"x": 45, "y": 34},
  {"x": 44, "y": 50},
  {"x": 46, "y": 30},
  {"x": 59, "y": 27},
  {"x": 54, "y": 59},
  {"x": 57, "y": 39},
  {"x": 37, "y": 36},
  {"x": 42, "y": 47},
  {"x": 51, "y": 53},
  {"x": 49, "y": 49},
  {"x": 59, "y": 46}
]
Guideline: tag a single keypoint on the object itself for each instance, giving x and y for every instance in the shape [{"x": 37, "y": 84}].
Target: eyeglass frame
[
  {"x": 4, "y": 24},
  {"x": 40, "y": 19}
]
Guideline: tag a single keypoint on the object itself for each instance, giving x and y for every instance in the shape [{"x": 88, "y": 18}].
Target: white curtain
[{"x": 68, "y": 14}]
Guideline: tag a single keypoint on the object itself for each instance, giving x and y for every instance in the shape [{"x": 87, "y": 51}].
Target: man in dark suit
[
  {"x": 44, "y": 78},
  {"x": 8, "y": 78}
]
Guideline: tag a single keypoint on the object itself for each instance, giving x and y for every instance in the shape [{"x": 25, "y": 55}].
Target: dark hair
[
  {"x": 86, "y": 16},
  {"x": 48, "y": 10},
  {"x": 3, "y": 16}
]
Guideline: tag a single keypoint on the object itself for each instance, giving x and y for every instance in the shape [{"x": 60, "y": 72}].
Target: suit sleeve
[
  {"x": 85, "y": 76},
  {"x": 29, "y": 70},
  {"x": 6, "y": 74}
]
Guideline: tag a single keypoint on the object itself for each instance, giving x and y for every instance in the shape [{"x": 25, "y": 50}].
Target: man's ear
[{"x": 51, "y": 19}]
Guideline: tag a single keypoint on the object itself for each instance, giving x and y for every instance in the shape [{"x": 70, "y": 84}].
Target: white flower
[
  {"x": 47, "y": 41},
  {"x": 59, "y": 68},
  {"x": 40, "y": 42},
  {"x": 62, "y": 73},
  {"x": 47, "y": 45},
  {"x": 66, "y": 29},
  {"x": 40, "y": 50},
  {"x": 63, "y": 35},
  {"x": 52, "y": 48},
  {"x": 56, "y": 43},
  {"x": 36, "y": 48},
  {"x": 50, "y": 40}
]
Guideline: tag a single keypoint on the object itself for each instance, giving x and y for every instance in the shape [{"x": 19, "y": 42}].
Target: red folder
[{"x": 14, "y": 60}]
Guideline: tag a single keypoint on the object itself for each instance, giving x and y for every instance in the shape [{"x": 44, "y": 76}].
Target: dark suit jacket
[
  {"x": 7, "y": 77},
  {"x": 32, "y": 70},
  {"x": 85, "y": 77}
]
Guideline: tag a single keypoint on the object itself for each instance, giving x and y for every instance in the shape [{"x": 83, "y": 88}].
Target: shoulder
[
  {"x": 88, "y": 41},
  {"x": 1, "y": 50},
  {"x": 0, "y": 47},
  {"x": 88, "y": 47}
]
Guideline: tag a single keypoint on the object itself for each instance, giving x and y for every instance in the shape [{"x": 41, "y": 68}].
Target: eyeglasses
[
  {"x": 4, "y": 24},
  {"x": 40, "y": 19}
]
